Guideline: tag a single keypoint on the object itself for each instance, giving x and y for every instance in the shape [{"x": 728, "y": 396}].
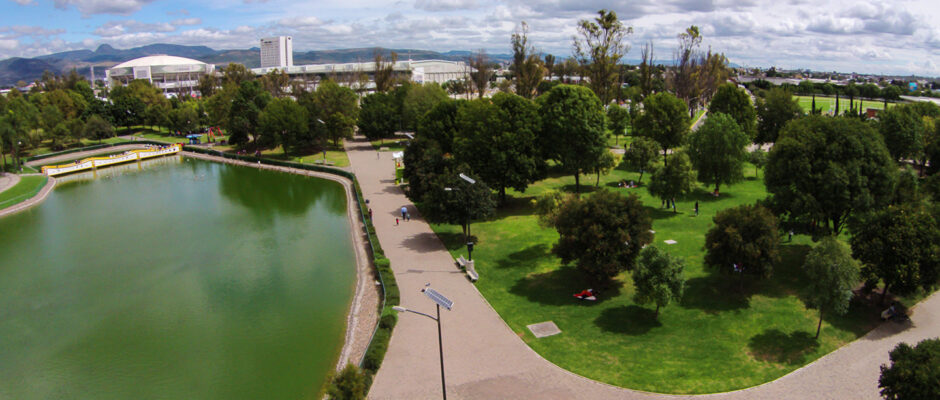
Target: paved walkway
[
  {"x": 485, "y": 359},
  {"x": 83, "y": 154},
  {"x": 8, "y": 180}
]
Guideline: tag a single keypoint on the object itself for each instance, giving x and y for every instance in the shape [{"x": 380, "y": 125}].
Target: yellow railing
[{"x": 98, "y": 162}]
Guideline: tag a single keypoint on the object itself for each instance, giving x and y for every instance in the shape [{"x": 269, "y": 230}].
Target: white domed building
[{"x": 169, "y": 73}]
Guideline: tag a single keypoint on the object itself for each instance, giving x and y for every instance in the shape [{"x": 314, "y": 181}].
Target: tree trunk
[
  {"x": 656, "y": 314},
  {"x": 819, "y": 326},
  {"x": 577, "y": 181},
  {"x": 502, "y": 195},
  {"x": 641, "y": 177},
  {"x": 665, "y": 150},
  {"x": 597, "y": 182},
  {"x": 884, "y": 294}
]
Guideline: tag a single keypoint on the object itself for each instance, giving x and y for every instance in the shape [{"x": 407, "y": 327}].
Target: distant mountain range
[{"x": 13, "y": 70}]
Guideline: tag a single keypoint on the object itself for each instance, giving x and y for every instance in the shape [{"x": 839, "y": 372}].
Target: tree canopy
[
  {"x": 664, "y": 120},
  {"x": 774, "y": 110},
  {"x": 824, "y": 169},
  {"x": 673, "y": 180},
  {"x": 602, "y": 233},
  {"x": 573, "y": 127},
  {"x": 743, "y": 240},
  {"x": 376, "y": 116},
  {"x": 658, "y": 278},
  {"x": 914, "y": 372},
  {"x": 832, "y": 273},
  {"x": 735, "y": 102},
  {"x": 718, "y": 151},
  {"x": 641, "y": 155},
  {"x": 598, "y": 47}
]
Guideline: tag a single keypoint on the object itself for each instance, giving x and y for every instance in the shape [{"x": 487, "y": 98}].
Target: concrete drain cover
[
  {"x": 670, "y": 241},
  {"x": 544, "y": 329}
]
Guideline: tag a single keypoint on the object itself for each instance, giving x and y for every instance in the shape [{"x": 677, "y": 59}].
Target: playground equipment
[
  {"x": 98, "y": 162},
  {"x": 214, "y": 132}
]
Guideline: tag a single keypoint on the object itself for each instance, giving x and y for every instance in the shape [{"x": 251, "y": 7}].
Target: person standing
[
  {"x": 696, "y": 208},
  {"x": 404, "y": 212}
]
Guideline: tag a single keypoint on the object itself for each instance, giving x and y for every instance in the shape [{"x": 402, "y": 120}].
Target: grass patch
[
  {"x": 26, "y": 188},
  {"x": 716, "y": 339},
  {"x": 389, "y": 144},
  {"x": 334, "y": 154},
  {"x": 828, "y": 104}
]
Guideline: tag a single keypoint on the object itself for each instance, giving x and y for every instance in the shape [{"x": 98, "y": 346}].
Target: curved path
[
  {"x": 485, "y": 359},
  {"x": 8, "y": 180},
  {"x": 83, "y": 154},
  {"x": 38, "y": 198}
]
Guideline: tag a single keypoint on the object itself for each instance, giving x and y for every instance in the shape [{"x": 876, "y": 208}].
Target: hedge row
[{"x": 372, "y": 359}]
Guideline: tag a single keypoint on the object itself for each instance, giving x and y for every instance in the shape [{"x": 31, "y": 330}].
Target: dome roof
[{"x": 158, "y": 60}]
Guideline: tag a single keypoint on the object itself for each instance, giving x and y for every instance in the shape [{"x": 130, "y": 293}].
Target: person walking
[
  {"x": 370, "y": 213},
  {"x": 696, "y": 208},
  {"x": 396, "y": 221},
  {"x": 404, "y": 212}
]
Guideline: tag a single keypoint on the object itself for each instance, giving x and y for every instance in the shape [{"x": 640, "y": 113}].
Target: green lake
[{"x": 176, "y": 279}]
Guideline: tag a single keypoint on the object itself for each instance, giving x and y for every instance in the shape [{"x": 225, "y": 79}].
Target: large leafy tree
[
  {"x": 430, "y": 154},
  {"x": 98, "y": 128},
  {"x": 284, "y": 122},
  {"x": 602, "y": 233},
  {"x": 914, "y": 372},
  {"x": 664, "y": 120},
  {"x": 718, "y": 150},
  {"x": 20, "y": 118},
  {"x": 419, "y": 100},
  {"x": 337, "y": 107},
  {"x": 903, "y": 131},
  {"x": 774, "y": 110},
  {"x": 376, "y": 116},
  {"x": 832, "y": 274},
  {"x": 244, "y": 111},
  {"x": 641, "y": 155},
  {"x": 573, "y": 126},
  {"x": 673, "y": 180},
  {"x": 599, "y": 46},
  {"x": 899, "y": 245},
  {"x": 744, "y": 240},
  {"x": 658, "y": 278},
  {"x": 735, "y": 102},
  {"x": 450, "y": 199},
  {"x": 822, "y": 170},
  {"x": 498, "y": 140}
]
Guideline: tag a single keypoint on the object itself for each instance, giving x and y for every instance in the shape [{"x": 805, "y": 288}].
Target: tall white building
[{"x": 277, "y": 52}]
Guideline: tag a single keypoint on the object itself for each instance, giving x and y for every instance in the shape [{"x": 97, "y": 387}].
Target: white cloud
[
  {"x": 445, "y": 5},
  {"x": 186, "y": 22},
  {"x": 23, "y": 2},
  {"x": 118, "y": 28},
  {"x": 90, "y": 7},
  {"x": 9, "y": 44}
]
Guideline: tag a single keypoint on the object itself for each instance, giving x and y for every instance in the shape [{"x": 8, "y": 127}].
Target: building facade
[
  {"x": 172, "y": 75},
  {"x": 277, "y": 52},
  {"x": 422, "y": 71}
]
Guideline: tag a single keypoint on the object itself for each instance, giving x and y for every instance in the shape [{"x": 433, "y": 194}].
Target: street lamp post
[
  {"x": 439, "y": 301},
  {"x": 467, "y": 235}
]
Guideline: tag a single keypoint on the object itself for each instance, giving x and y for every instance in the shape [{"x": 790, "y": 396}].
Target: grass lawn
[
  {"x": 828, "y": 104},
  {"x": 27, "y": 187},
  {"x": 334, "y": 154},
  {"x": 716, "y": 339}
]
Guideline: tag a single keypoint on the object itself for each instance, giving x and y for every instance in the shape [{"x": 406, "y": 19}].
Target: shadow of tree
[
  {"x": 773, "y": 345},
  {"x": 526, "y": 257},
  {"x": 715, "y": 293},
  {"x": 453, "y": 240},
  {"x": 422, "y": 243},
  {"x": 628, "y": 320},
  {"x": 515, "y": 206},
  {"x": 706, "y": 196},
  {"x": 558, "y": 287},
  {"x": 661, "y": 213},
  {"x": 586, "y": 187}
]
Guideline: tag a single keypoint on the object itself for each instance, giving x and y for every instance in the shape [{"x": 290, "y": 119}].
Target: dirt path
[
  {"x": 8, "y": 180},
  {"x": 485, "y": 359}
]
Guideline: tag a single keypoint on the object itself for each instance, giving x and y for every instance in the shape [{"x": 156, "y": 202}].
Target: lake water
[{"x": 176, "y": 279}]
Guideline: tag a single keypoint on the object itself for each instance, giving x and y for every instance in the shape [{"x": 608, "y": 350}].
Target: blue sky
[{"x": 896, "y": 37}]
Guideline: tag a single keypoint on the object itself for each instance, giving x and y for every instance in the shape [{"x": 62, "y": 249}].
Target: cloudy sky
[{"x": 891, "y": 36}]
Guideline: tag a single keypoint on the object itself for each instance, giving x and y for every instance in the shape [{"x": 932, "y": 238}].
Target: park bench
[{"x": 467, "y": 265}]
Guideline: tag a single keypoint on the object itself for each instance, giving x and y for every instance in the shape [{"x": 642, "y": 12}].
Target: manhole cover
[
  {"x": 544, "y": 329},
  {"x": 670, "y": 241}
]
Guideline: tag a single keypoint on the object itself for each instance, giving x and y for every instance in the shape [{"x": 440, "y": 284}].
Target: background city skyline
[{"x": 863, "y": 37}]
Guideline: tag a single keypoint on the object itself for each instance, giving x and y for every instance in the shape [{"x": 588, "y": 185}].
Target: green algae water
[{"x": 176, "y": 279}]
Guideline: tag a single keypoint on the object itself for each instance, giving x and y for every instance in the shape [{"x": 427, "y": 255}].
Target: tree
[
  {"x": 658, "y": 278},
  {"x": 549, "y": 65},
  {"x": 618, "y": 119},
  {"x": 735, "y": 102},
  {"x": 338, "y": 108},
  {"x": 664, "y": 120},
  {"x": 274, "y": 82},
  {"x": 207, "y": 85},
  {"x": 430, "y": 153},
  {"x": 822, "y": 170},
  {"x": 602, "y": 233},
  {"x": 459, "y": 205},
  {"x": 236, "y": 74},
  {"x": 21, "y": 118},
  {"x": 903, "y": 131},
  {"x": 498, "y": 140},
  {"x": 646, "y": 69},
  {"x": 712, "y": 72},
  {"x": 244, "y": 111},
  {"x": 97, "y": 128},
  {"x": 744, "y": 240},
  {"x": 832, "y": 274},
  {"x": 774, "y": 110},
  {"x": 51, "y": 117},
  {"x": 686, "y": 65},
  {"x": 718, "y": 150},
  {"x": 899, "y": 245},
  {"x": 758, "y": 158},
  {"x": 376, "y": 116},
  {"x": 348, "y": 384},
  {"x": 573, "y": 128},
  {"x": 480, "y": 71},
  {"x": 419, "y": 100},
  {"x": 673, "y": 180},
  {"x": 599, "y": 47},
  {"x": 914, "y": 372},
  {"x": 526, "y": 65},
  {"x": 283, "y": 122},
  {"x": 384, "y": 71},
  {"x": 641, "y": 155}
]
